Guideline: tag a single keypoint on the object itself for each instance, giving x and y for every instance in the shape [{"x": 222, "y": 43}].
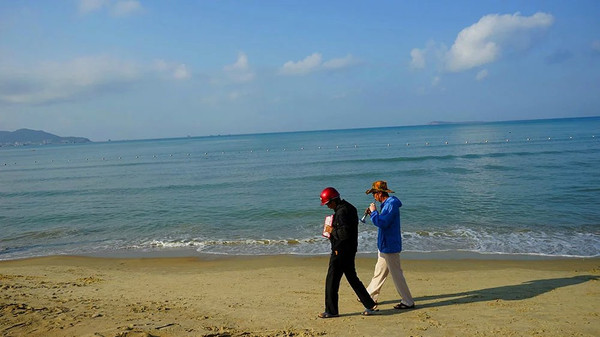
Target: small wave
[
  {"x": 529, "y": 242},
  {"x": 450, "y": 157},
  {"x": 41, "y": 235},
  {"x": 208, "y": 243},
  {"x": 457, "y": 170},
  {"x": 521, "y": 242},
  {"x": 306, "y": 246},
  {"x": 490, "y": 167}
]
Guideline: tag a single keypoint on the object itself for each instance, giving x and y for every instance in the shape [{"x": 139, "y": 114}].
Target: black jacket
[{"x": 344, "y": 234}]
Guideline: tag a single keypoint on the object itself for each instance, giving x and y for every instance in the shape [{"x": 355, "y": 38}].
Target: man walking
[
  {"x": 344, "y": 244},
  {"x": 389, "y": 244}
]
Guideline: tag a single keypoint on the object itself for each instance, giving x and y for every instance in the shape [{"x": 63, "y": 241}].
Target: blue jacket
[{"x": 389, "y": 239}]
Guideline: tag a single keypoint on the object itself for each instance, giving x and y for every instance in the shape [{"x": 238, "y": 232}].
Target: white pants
[{"x": 389, "y": 263}]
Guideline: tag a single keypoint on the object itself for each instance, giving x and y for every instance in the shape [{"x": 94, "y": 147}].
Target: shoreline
[
  {"x": 407, "y": 255},
  {"x": 281, "y": 296}
]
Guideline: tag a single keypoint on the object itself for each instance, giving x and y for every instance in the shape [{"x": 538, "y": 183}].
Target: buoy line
[{"x": 303, "y": 148}]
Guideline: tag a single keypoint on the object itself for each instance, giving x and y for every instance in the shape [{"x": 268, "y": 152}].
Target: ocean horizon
[
  {"x": 502, "y": 189},
  {"x": 432, "y": 123}
]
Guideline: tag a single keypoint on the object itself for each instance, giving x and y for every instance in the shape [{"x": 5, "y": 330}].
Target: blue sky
[{"x": 135, "y": 69}]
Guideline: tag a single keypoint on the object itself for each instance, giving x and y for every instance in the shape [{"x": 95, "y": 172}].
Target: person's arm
[
  {"x": 386, "y": 217},
  {"x": 341, "y": 231}
]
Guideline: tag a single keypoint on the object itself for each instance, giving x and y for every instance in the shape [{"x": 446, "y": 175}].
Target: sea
[{"x": 503, "y": 189}]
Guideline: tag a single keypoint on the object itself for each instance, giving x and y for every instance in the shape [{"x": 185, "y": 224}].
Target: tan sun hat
[{"x": 379, "y": 186}]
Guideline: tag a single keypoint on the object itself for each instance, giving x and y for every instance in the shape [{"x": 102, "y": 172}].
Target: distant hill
[{"x": 35, "y": 137}]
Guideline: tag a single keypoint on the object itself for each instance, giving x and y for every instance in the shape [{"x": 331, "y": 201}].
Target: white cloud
[
  {"x": 235, "y": 95},
  {"x": 436, "y": 81},
  {"x": 481, "y": 74},
  {"x": 309, "y": 64},
  {"x": 116, "y": 8},
  {"x": 484, "y": 41},
  {"x": 181, "y": 72},
  {"x": 54, "y": 81},
  {"x": 596, "y": 45},
  {"x": 340, "y": 63},
  {"x": 88, "y": 6},
  {"x": 314, "y": 63},
  {"x": 417, "y": 58},
  {"x": 161, "y": 65},
  {"x": 126, "y": 7},
  {"x": 178, "y": 71},
  {"x": 240, "y": 71},
  {"x": 240, "y": 65},
  {"x": 433, "y": 53}
]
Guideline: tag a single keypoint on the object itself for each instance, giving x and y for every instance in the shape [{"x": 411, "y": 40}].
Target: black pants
[{"x": 343, "y": 264}]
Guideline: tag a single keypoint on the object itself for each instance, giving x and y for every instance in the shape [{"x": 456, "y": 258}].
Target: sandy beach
[{"x": 282, "y": 295}]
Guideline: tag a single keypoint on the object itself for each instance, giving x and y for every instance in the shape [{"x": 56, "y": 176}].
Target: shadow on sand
[{"x": 515, "y": 292}]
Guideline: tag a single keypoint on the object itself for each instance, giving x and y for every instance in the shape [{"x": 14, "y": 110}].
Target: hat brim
[{"x": 373, "y": 190}]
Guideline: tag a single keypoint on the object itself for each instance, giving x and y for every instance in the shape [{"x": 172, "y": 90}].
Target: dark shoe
[
  {"x": 327, "y": 315},
  {"x": 402, "y": 306},
  {"x": 370, "y": 312}
]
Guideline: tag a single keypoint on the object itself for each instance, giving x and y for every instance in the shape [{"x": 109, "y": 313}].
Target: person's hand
[{"x": 372, "y": 207}]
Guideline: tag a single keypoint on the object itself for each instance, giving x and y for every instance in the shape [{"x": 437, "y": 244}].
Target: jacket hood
[{"x": 394, "y": 200}]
